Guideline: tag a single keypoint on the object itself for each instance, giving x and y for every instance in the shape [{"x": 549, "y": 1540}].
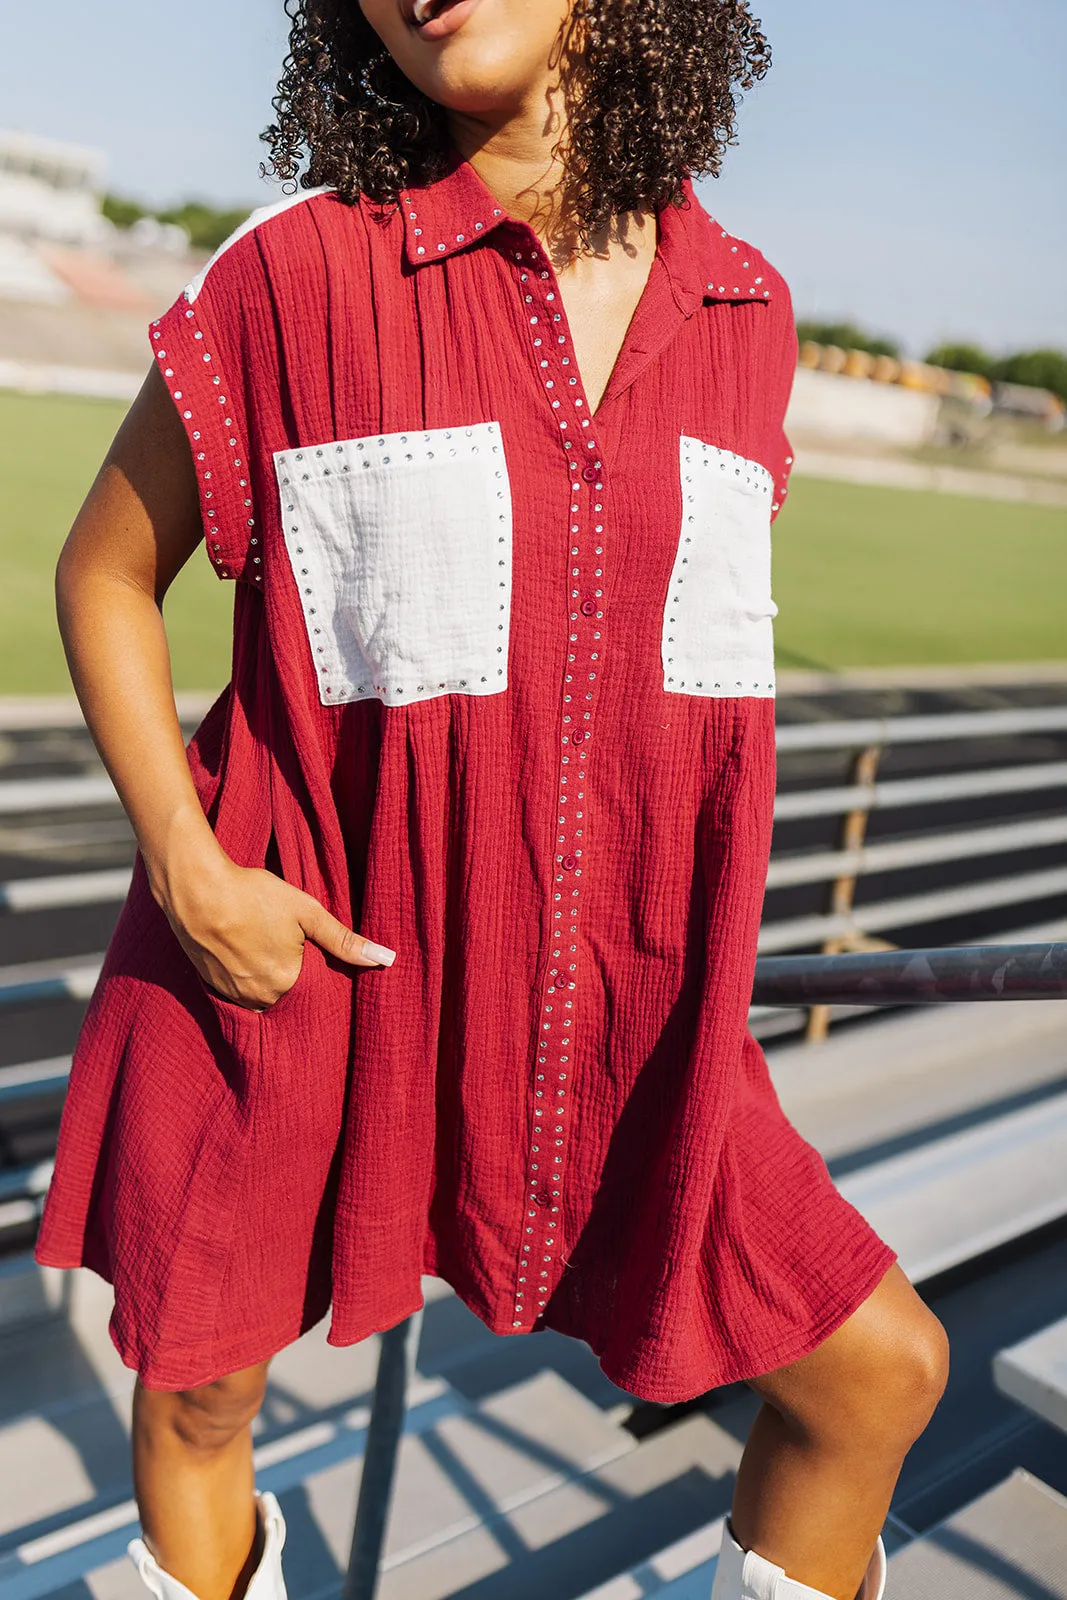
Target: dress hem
[
  {"x": 790, "y": 1350},
  {"x": 164, "y": 1374}
]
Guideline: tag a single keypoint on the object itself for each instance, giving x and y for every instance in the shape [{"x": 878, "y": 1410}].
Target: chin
[
  {"x": 473, "y": 83},
  {"x": 485, "y": 62}
]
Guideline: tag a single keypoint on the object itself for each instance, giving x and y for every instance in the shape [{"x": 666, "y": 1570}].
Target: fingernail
[{"x": 378, "y": 952}]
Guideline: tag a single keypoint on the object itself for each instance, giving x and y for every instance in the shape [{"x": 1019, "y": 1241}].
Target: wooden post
[{"x": 843, "y": 889}]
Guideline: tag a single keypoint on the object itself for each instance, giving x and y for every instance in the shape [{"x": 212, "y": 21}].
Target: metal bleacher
[{"x": 523, "y": 1471}]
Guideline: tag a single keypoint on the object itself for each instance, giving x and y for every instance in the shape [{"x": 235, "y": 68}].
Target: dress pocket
[
  {"x": 246, "y": 1029},
  {"x": 234, "y": 1013},
  {"x": 401, "y": 548},
  {"x": 241, "y": 1036},
  {"x": 717, "y": 636}
]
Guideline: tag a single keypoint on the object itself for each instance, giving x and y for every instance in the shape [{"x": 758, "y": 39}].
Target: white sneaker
[
  {"x": 266, "y": 1583},
  {"x": 744, "y": 1575}
]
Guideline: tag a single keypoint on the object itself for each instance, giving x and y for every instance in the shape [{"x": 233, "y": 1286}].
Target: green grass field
[
  {"x": 50, "y": 449},
  {"x": 863, "y": 577},
  {"x": 894, "y": 577}
]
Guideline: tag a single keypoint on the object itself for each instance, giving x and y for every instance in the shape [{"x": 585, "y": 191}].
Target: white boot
[
  {"x": 744, "y": 1575},
  {"x": 266, "y": 1583}
]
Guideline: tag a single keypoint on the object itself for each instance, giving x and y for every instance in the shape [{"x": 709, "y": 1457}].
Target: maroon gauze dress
[{"x": 502, "y": 699}]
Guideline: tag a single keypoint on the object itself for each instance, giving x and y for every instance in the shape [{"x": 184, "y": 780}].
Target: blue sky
[{"x": 903, "y": 163}]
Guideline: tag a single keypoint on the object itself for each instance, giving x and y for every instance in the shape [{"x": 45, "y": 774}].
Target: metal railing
[
  {"x": 921, "y": 730},
  {"x": 842, "y": 925},
  {"x": 869, "y": 738},
  {"x": 882, "y": 978},
  {"x": 915, "y": 977}
]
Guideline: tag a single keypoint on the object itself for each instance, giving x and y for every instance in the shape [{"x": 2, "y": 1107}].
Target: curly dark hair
[{"x": 651, "y": 88}]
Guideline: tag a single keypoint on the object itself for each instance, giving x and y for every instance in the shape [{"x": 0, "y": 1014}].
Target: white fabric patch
[
  {"x": 401, "y": 546},
  {"x": 718, "y": 637}
]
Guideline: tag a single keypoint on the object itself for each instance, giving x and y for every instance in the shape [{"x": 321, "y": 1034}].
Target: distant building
[
  {"x": 52, "y": 191},
  {"x": 76, "y": 292}
]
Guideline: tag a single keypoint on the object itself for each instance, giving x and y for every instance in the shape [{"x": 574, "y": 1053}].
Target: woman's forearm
[
  {"x": 138, "y": 526},
  {"x": 116, "y": 648}
]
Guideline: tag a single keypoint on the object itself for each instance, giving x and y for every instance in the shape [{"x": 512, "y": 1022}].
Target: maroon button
[
  {"x": 590, "y": 473},
  {"x": 578, "y": 735},
  {"x": 570, "y": 862},
  {"x": 587, "y": 608},
  {"x": 542, "y": 1199}
]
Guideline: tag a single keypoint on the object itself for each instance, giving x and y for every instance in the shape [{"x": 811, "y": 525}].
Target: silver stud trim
[{"x": 185, "y": 406}]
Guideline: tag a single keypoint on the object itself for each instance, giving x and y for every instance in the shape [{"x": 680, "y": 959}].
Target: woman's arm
[{"x": 243, "y": 928}]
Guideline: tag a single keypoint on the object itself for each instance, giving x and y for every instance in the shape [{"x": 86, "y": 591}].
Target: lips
[
  {"x": 436, "y": 19},
  {"x": 424, "y": 11}
]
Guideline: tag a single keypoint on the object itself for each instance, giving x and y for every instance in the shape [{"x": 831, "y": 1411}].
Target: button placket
[{"x": 539, "y": 1263}]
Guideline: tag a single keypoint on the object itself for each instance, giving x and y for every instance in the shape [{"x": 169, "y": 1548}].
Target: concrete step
[
  {"x": 873, "y": 1085},
  {"x": 685, "y": 1570},
  {"x": 956, "y": 1198},
  {"x": 526, "y": 1498},
  {"x": 64, "y": 1428},
  {"x": 1010, "y": 1544},
  {"x": 65, "y": 1402},
  {"x": 51, "y": 1561},
  {"x": 1034, "y": 1373},
  {"x": 78, "y": 1544},
  {"x": 462, "y": 1491},
  {"x": 946, "y": 1128},
  {"x": 466, "y": 1476}
]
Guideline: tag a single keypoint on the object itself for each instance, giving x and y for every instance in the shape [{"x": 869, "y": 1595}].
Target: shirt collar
[
  {"x": 701, "y": 260},
  {"x": 704, "y": 262},
  {"x": 451, "y": 214}
]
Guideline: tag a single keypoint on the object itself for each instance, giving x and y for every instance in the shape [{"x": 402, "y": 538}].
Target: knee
[
  {"x": 903, "y": 1376},
  {"x": 873, "y": 1385},
  {"x": 206, "y": 1419}
]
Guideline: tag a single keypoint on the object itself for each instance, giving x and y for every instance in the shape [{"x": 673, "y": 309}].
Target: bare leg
[
  {"x": 193, "y": 1477},
  {"x": 825, "y": 1451}
]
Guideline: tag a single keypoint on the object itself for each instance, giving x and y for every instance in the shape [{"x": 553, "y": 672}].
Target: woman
[{"x": 486, "y": 424}]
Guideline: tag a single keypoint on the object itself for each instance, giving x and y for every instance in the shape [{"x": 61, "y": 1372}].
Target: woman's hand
[{"x": 244, "y": 929}]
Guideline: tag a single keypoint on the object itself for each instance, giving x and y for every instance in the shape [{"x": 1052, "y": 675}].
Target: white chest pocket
[
  {"x": 401, "y": 547},
  {"x": 717, "y": 635}
]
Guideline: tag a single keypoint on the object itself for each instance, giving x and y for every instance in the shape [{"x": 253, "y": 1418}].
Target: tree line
[
  {"x": 1039, "y": 369},
  {"x": 206, "y": 226}
]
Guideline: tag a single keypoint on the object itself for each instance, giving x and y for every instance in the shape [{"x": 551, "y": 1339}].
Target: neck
[{"x": 519, "y": 163}]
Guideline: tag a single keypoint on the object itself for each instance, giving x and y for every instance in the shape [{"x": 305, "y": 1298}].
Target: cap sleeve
[{"x": 201, "y": 348}]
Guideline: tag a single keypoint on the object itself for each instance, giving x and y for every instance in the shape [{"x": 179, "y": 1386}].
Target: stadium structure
[{"x": 75, "y": 291}]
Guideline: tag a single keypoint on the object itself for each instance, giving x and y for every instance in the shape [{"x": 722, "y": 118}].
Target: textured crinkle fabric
[{"x": 502, "y": 699}]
